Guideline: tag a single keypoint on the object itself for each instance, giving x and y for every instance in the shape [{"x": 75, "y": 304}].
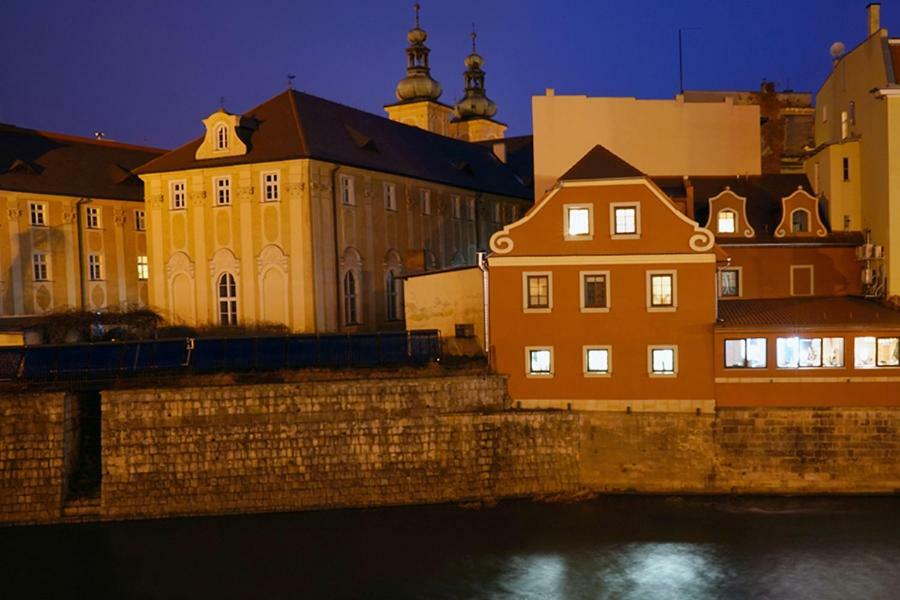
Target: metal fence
[{"x": 113, "y": 360}]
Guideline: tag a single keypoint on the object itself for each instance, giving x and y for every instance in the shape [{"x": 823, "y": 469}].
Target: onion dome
[
  {"x": 475, "y": 103},
  {"x": 418, "y": 83}
]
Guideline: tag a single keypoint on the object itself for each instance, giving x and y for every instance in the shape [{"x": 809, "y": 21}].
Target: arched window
[
  {"x": 799, "y": 220},
  {"x": 727, "y": 221},
  {"x": 222, "y": 137},
  {"x": 351, "y": 308},
  {"x": 227, "y": 300},
  {"x": 393, "y": 286}
]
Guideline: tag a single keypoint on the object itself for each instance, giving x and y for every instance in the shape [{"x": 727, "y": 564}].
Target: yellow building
[
  {"x": 306, "y": 212},
  {"x": 73, "y": 227},
  {"x": 856, "y": 163}
]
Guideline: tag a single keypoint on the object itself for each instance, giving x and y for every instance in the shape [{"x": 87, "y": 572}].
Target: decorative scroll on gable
[
  {"x": 222, "y": 136},
  {"x": 800, "y": 216},
  {"x": 728, "y": 200}
]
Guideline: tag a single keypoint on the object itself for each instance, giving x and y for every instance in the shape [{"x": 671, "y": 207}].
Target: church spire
[
  {"x": 475, "y": 103},
  {"x": 418, "y": 83}
]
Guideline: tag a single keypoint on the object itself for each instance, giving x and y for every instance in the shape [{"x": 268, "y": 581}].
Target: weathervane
[
  {"x": 290, "y": 81},
  {"x": 474, "y": 35},
  {"x": 417, "y": 6}
]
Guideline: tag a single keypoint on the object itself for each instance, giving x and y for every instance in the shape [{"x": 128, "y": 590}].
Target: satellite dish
[{"x": 837, "y": 49}]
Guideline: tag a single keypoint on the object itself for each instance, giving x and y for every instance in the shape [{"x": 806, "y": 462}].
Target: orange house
[{"x": 603, "y": 297}]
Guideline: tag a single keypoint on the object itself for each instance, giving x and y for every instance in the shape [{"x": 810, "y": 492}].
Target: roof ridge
[
  {"x": 304, "y": 147},
  {"x": 16, "y": 129}
]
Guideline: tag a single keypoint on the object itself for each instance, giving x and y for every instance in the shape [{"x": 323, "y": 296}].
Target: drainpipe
[
  {"x": 337, "y": 260},
  {"x": 485, "y": 280},
  {"x": 80, "y": 237}
]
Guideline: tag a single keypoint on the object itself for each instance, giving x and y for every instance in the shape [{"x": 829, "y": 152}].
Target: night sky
[{"x": 148, "y": 72}]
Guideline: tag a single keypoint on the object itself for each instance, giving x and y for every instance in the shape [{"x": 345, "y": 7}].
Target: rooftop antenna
[
  {"x": 290, "y": 80},
  {"x": 681, "y": 58}
]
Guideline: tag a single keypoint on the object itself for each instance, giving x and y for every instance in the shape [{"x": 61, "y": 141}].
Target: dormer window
[
  {"x": 800, "y": 220},
  {"x": 727, "y": 222},
  {"x": 222, "y": 137}
]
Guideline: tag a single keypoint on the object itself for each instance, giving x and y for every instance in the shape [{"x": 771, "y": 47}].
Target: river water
[{"x": 613, "y": 547}]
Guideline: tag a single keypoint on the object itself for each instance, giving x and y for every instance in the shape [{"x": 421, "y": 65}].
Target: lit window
[
  {"x": 597, "y": 360},
  {"x": 425, "y": 197},
  {"x": 392, "y": 295},
  {"x": 227, "y": 300},
  {"x": 390, "y": 196},
  {"x": 271, "y": 188},
  {"x": 38, "y": 216},
  {"x": 95, "y": 267},
  {"x": 539, "y": 361},
  {"x": 221, "y": 137},
  {"x": 864, "y": 352},
  {"x": 625, "y": 220},
  {"x": 729, "y": 283},
  {"x": 594, "y": 291},
  {"x": 456, "y": 204},
  {"x": 351, "y": 308},
  {"x": 662, "y": 360},
  {"x": 727, "y": 221},
  {"x": 578, "y": 222},
  {"x": 845, "y": 125},
  {"x": 661, "y": 290},
  {"x": 348, "y": 195},
  {"x": 798, "y": 352},
  {"x": 800, "y": 220},
  {"x": 833, "y": 352},
  {"x": 179, "y": 196},
  {"x": 39, "y": 264},
  {"x": 92, "y": 217},
  {"x": 748, "y": 353},
  {"x": 143, "y": 268},
  {"x": 888, "y": 355},
  {"x": 223, "y": 191},
  {"x": 139, "y": 221},
  {"x": 537, "y": 291}
]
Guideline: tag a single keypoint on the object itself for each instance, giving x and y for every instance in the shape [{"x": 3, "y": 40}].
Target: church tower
[
  {"x": 417, "y": 93},
  {"x": 474, "y": 120}
]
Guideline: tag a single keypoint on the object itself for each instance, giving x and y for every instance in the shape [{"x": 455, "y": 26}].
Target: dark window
[{"x": 595, "y": 291}]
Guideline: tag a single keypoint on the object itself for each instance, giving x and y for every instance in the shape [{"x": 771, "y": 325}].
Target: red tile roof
[{"x": 837, "y": 311}]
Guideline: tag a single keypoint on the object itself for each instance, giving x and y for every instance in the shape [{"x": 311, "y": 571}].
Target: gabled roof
[
  {"x": 51, "y": 163},
  {"x": 764, "y": 207},
  {"x": 297, "y": 125},
  {"x": 600, "y": 163},
  {"x": 834, "y": 311}
]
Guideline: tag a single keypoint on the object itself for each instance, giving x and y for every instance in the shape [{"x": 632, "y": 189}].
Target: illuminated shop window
[
  {"x": 870, "y": 352},
  {"x": 801, "y": 352}
]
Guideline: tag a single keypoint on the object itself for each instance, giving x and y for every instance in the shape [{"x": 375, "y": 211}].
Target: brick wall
[{"x": 31, "y": 457}]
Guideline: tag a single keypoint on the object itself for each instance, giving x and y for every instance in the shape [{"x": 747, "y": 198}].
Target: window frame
[
  {"x": 143, "y": 267},
  {"x": 140, "y": 219},
  {"x": 526, "y": 296},
  {"x": 95, "y": 267},
  {"x": 673, "y": 273},
  {"x": 175, "y": 194},
  {"x": 845, "y": 168},
  {"x": 589, "y": 207},
  {"x": 581, "y": 289},
  {"x": 389, "y": 192},
  {"x": 92, "y": 218},
  {"x": 393, "y": 295},
  {"x": 877, "y": 339},
  {"x": 584, "y": 359},
  {"x": 808, "y": 220},
  {"x": 425, "y": 201},
  {"x": 821, "y": 343},
  {"x": 812, "y": 280},
  {"x": 265, "y": 185},
  {"x": 740, "y": 282},
  {"x": 538, "y": 374},
  {"x": 229, "y": 316},
  {"x": 734, "y": 220},
  {"x": 655, "y": 347},
  {"x": 350, "y": 298},
  {"x": 221, "y": 141},
  {"x": 43, "y": 265},
  {"x": 456, "y": 206},
  {"x": 347, "y": 184},
  {"x": 497, "y": 212},
  {"x": 744, "y": 340},
  {"x": 217, "y": 189},
  {"x": 41, "y": 212},
  {"x": 471, "y": 209},
  {"x": 613, "y": 207}
]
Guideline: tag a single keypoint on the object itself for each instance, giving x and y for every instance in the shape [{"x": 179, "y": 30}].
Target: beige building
[
  {"x": 661, "y": 137},
  {"x": 306, "y": 212},
  {"x": 856, "y": 164},
  {"x": 73, "y": 225}
]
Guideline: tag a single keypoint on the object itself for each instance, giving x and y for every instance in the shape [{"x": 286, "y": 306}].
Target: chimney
[
  {"x": 874, "y": 11},
  {"x": 499, "y": 149}
]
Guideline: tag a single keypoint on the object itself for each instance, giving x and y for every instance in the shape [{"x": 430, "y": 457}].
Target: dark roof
[
  {"x": 835, "y": 311},
  {"x": 764, "y": 208},
  {"x": 519, "y": 156},
  {"x": 297, "y": 125},
  {"x": 600, "y": 163},
  {"x": 51, "y": 163}
]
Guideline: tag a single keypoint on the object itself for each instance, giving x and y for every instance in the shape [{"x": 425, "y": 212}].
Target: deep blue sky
[{"x": 148, "y": 72}]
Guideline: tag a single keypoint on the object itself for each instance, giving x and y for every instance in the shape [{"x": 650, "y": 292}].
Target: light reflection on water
[{"x": 612, "y": 548}]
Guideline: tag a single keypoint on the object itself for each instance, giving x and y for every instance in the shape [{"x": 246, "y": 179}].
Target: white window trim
[
  {"x": 875, "y": 366},
  {"x": 637, "y": 221},
  {"x": 528, "y": 372},
  {"x": 649, "y": 286},
  {"x": 146, "y": 266},
  {"x": 87, "y": 220},
  {"x": 809, "y": 221},
  {"x": 737, "y": 227},
  {"x": 389, "y": 191},
  {"x": 593, "y": 309},
  {"x": 263, "y": 183},
  {"x": 745, "y": 340},
  {"x": 48, "y": 275},
  {"x": 351, "y": 190},
  {"x": 650, "y": 350},
  {"x": 172, "y": 185},
  {"x": 220, "y": 144},
  {"x": 142, "y": 220},
  {"x": 580, "y": 237},
  {"x": 812, "y": 279},
  {"x": 740, "y": 282},
  {"x": 525, "y": 276},
  {"x": 216, "y": 181},
  {"x": 100, "y": 270},
  {"x": 584, "y": 360},
  {"x": 43, "y": 212},
  {"x": 822, "y": 365}
]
